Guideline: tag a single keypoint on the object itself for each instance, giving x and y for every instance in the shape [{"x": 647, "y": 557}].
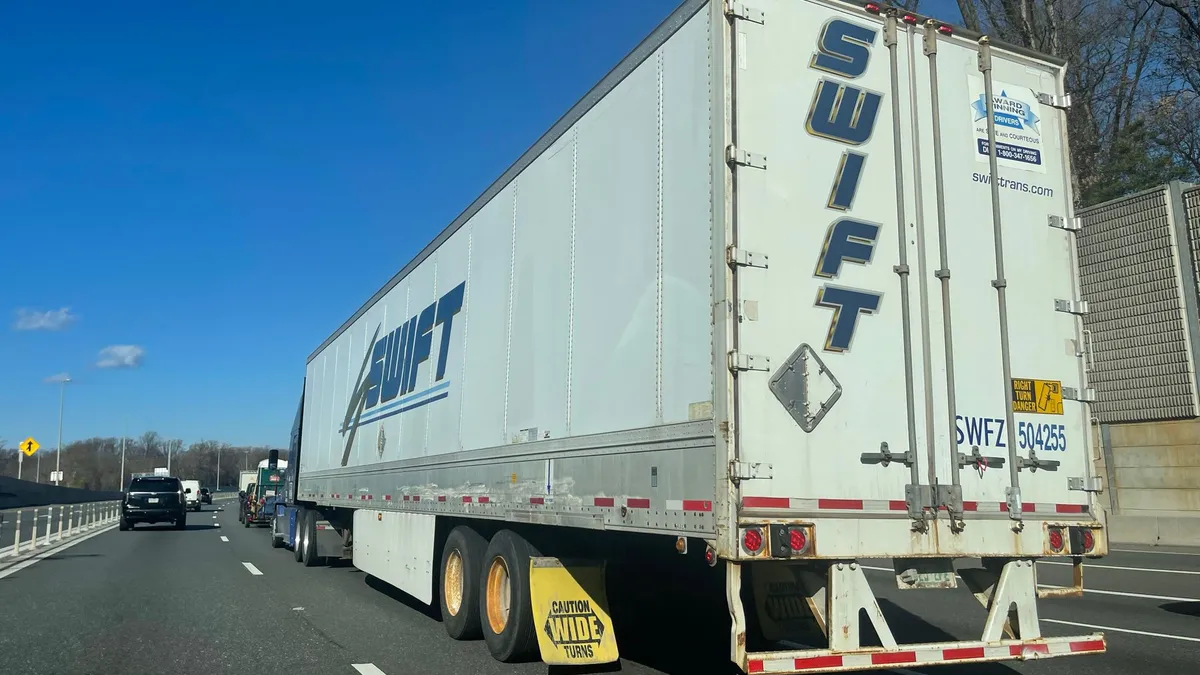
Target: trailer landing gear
[{"x": 837, "y": 592}]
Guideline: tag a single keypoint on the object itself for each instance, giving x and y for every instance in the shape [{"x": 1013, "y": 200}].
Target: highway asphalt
[{"x": 217, "y": 599}]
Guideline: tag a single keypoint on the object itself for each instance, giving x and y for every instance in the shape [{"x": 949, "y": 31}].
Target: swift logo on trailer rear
[
  {"x": 844, "y": 113},
  {"x": 388, "y": 375}
]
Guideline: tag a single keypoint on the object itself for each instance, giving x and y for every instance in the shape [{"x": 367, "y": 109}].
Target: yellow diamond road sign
[{"x": 29, "y": 446}]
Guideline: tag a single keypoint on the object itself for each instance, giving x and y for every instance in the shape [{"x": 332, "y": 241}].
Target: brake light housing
[
  {"x": 1064, "y": 538},
  {"x": 776, "y": 540}
]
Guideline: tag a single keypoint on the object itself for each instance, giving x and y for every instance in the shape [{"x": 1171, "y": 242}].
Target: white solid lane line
[
  {"x": 224, "y": 538},
  {"x": 1137, "y": 550},
  {"x": 1119, "y": 567},
  {"x": 253, "y": 570},
  {"x": 1144, "y": 596},
  {"x": 1123, "y": 630},
  {"x": 367, "y": 668}
]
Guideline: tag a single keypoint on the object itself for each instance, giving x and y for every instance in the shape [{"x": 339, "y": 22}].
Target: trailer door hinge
[
  {"x": 1086, "y": 396},
  {"x": 744, "y": 258},
  {"x": 1077, "y": 307},
  {"x": 1055, "y": 101},
  {"x": 1068, "y": 224},
  {"x": 1081, "y": 484},
  {"x": 739, "y": 10},
  {"x": 739, "y": 361},
  {"x": 740, "y": 157},
  {"x": 750, "y": 470}
]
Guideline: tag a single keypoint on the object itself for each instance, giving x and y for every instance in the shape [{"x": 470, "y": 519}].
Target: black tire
[
  {"x": 516, "y": 639},
  {"x": 276, "y": 540},
  {"x": 310, "y": 557},
  {"x": 467, "y": 548},
  {"x": 124, "y": 525},
  {"x": 297, "y": 549},
  {"x": 181, "y": 523}
]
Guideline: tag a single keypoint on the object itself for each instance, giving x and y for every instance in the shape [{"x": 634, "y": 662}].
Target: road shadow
[
  {"x": 911, "y": 628},
  {"x": 167, "y": 527},
  {"x": 433, "y": 611},
  {"x": 1184, "y": 608},
  {"x": 64, "y": 556}
]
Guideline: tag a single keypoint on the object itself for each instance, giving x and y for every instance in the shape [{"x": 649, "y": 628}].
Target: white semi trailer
[{"x": 792, "y": 287}]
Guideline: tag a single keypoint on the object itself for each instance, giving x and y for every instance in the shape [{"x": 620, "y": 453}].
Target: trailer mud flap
[
  {"x": 788, "y": 601},
  {"x": 570, "y": 612}
]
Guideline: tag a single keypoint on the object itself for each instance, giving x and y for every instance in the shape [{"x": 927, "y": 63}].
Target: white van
[{"x": 191, "y": 489}]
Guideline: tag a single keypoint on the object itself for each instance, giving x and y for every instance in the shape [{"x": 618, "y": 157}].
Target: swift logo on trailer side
[
  {"x": 388, "y": 375},
  {"x": 844, "y": 113}
]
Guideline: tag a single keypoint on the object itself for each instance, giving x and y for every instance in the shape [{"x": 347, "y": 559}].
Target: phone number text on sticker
[{"x": 989, "y": 432}]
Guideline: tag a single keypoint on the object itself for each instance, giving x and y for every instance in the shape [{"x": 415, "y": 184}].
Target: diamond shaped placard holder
[{"x": 805, "y": 387}]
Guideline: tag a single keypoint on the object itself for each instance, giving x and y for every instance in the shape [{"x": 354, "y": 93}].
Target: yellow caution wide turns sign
[{"x": 570, "y": 612}]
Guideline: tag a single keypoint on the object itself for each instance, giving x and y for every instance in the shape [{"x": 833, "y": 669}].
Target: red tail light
[
  {"x": 1089, "y": 541},
  {"x": 798, "y": 539},
  {"x": 1056, "y": 539},
  {"x": 752, "y": 539}
]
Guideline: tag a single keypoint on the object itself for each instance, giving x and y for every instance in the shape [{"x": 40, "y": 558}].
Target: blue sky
[{"x": 213, "y": 187}]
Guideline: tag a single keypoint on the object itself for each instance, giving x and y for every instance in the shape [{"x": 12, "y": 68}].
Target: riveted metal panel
[{"x": 1139, "y": 337}]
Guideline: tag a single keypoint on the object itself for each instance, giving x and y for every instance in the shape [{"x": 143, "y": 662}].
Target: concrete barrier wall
[
  {"x": 1152, "y": 474},
  {"x": 1139, "y": 260}
]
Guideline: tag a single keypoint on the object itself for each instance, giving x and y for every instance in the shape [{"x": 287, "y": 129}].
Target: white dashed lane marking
[{"x": 253, "y": 570}]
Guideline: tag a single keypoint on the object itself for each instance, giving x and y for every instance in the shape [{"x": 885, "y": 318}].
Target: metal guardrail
[{"x": 23, "y": 527}]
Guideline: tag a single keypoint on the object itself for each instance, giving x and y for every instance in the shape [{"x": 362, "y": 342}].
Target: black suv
[{"x": 154, "y": 499}]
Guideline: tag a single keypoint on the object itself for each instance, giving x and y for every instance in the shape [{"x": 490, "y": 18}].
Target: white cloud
[
  {"x": 55, "y": 319},
  {"x": 120, "y": 356},
  {"x": 61, "y": 377}
]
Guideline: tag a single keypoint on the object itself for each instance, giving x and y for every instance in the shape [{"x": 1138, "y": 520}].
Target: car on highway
[
  {"x": 205, "y": 496},
  {"x": 191, "y": 494},
  {"x": 153, "y": 499}
]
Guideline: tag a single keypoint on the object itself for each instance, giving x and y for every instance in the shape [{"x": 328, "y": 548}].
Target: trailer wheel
[
  {"x": 298, "y": 536},
  {"x": 311, "y": 559},
  {"x": 276, "y": 540},
  {"x": 504, "y": 604},
  {"x": 462, "y": 563}
]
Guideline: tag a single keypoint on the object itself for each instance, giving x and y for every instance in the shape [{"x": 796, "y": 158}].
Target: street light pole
[
  {"x": 62, "y": 392},
  {"x": 121, "y": 481},
  {"x": 218, "y": 468}
]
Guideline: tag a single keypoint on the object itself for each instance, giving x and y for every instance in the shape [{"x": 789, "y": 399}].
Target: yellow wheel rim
[
  {"x": 499, "y": 595},
  {"x": 452, "y": 583}
]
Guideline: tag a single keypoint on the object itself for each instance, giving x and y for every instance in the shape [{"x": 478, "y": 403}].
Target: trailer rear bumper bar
[{"x": 934, "y": 653}]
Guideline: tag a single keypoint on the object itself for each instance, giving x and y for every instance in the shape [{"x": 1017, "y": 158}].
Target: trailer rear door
[
  {"x": 828, "y": 353},
  {"x": 840, "y": 360}
]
